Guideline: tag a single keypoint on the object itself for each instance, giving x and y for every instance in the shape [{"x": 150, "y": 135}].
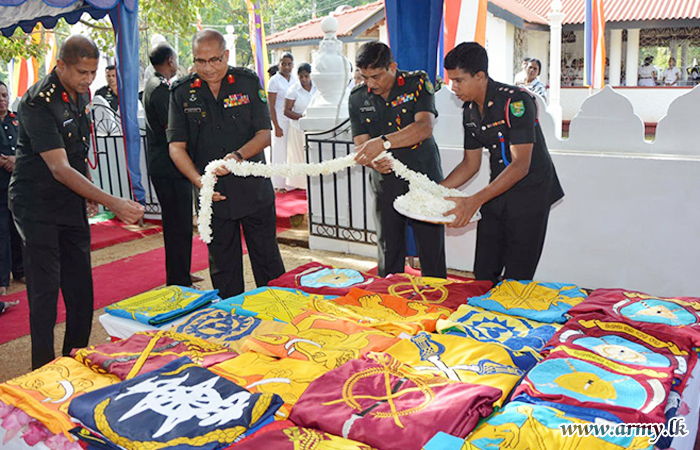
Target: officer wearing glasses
[{"x": 221, "y": 112}]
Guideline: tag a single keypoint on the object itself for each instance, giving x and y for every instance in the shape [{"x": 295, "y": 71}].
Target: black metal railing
[
  {"x": 338, "y": 203},
  {"x": 111, "y": 173}
]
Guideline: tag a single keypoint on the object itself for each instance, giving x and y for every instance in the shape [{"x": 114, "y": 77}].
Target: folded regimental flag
[
  {"x": 589, "y": 386},
  {"x": 224, "y": 328},
  {"x": 544, "y": 302},
  {"x": 677, "y": 315},
  {"x": 45, "y": 393},
  {"x": 522, "y": 338},
  {"x": 434, "y": 291},
  {"x": 522, "y": 426},
  {"x": 270, "y": 303},
  {"x": 384, "y": 312},
  {"x": 180, "y": 406},
  {"x": 150, "y": 350},
  {"x": 316, "y": 278},
  {"x": 162, "y": 305},
  {"x": 624, "y": 342},
  {"x": 389, "y": 405}
]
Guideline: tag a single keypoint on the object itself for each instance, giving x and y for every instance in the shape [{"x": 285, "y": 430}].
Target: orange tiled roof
[
  {"x": 621, "y": 10},
  {"x": 348, "y": 21}
]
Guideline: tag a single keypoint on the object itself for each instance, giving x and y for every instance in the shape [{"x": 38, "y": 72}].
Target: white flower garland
[{"x": 425, "y": 197}]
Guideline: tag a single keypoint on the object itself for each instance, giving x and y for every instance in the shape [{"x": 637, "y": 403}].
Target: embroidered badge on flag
[{"x": 180, "y": 405}]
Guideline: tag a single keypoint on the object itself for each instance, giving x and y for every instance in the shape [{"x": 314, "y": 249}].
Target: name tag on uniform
[
  {"x": 470, "y": 125},
  {"x": 193, "y": 110},
  {"x": 367, "y": 109},
  {"x": 403, "y": 98},
  {"x": 67, "y": 122},
  {"x": 236, "y": 100}
]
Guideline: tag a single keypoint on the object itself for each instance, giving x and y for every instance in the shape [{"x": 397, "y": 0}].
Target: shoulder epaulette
[
  {"x": 416, "y": 73},
  {"x": 243, "y": 71},
  {"x": 182, "y": 80},
  {"x": 358, "y": 87}
]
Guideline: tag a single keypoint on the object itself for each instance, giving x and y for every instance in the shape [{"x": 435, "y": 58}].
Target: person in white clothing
[
  {"x": 296, "y": 101},
  {"x": 647, "y": 73},
  {"x": 276, "y": 90},
  {"x": 672, "y": 74},
  {"x": 520, "y": 77}
]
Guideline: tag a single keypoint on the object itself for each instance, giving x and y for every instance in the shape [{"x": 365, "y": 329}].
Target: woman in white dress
[
  {"x": 296, "y": 101},
  {"x": 276, "y": 89},
  {"x": 647, "y": 73},
  {"x": 672, "y": 74}
]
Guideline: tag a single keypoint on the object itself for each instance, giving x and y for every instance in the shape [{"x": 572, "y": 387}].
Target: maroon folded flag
[{"x": 389, "y": 405}]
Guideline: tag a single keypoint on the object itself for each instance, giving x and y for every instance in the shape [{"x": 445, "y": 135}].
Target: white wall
[
  {"x": 650, "y": 104},
  {"x": 499, "y": 44},
  {"x": 538, "y": 47}
]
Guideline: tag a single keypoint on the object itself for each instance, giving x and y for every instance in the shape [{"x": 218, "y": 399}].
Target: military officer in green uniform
[
  {"x": 173, "y": 189},
  {"x": 48, "y": 190},
  {"x": 515, "y": 204},
  {"x": 394, "y": 110},
  {"x": 110, "y": 92},
  {"x": 10, "y": 243},
  {"x": 221, "y": 112}
]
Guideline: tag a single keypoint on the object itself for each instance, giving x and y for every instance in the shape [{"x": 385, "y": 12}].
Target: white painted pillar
[
  {"x": 230, "y": 38},
  {"x": 615, "y": 57},
  {"x": 556, "y": 16},
  {"x": 632, "y": 64},
  {"x": 684, "y": 63}
]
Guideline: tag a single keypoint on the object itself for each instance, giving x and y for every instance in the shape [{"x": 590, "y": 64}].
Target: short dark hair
[
  {"x": 539, "y": 64},
  {"x": 527, "y": 59},
  {"x": 272, "y": 70},
  {"x": 374, "y": 55},
  {"x": 160, "y": 54},
  {"x": 110, "y": 67},
  {"x": 471, "y": 57},
  {"x": 77, "y": 47},
  {"x": 287, "y": 55},
  {"x": 2, "y": 83},
  {"x": 208, "y": 35},
  {"x": 305, "y": 67}
]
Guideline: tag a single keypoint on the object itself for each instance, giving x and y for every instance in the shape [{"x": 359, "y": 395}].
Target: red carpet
[
  {"x": 290, "y": 204},
  {"x": 131, "y": 276},
  {"x": 113, "y": 232},
  {"x": 113, "y": 282},
  {"x": 411, "y": 271}
]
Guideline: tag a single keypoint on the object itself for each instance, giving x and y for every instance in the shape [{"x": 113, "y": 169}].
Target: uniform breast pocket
[
  {"x": 371, "y": 121},
  {"x": 71, "y": 132},
  {"x": 240, "y": 117}
]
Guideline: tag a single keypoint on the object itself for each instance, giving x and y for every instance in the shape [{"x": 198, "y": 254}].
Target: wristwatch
[
  {"x": 238, "y": 155},
  {"x": 387, "y": 142}
]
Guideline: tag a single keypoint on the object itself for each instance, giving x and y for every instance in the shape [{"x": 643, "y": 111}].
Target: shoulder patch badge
[
  {"x": 262, "y": 95},
  {"x": 429, "y": 86},
  {"x": 517, "y": 108}
]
